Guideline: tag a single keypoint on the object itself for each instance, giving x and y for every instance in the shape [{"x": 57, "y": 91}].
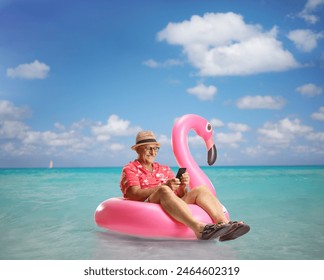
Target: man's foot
[
  {"x": 213, "y": 231},
  {"x": 236, "y": 230}
]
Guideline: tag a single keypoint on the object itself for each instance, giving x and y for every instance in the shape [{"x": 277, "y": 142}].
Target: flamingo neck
[{"x": 185, "y": 158}]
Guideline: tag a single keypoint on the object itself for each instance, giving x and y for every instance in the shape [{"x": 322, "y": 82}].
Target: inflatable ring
[{"x": 149, "y": 220}]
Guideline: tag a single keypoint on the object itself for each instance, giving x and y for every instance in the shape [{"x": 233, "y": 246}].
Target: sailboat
[{"x": 51, "y": 164}]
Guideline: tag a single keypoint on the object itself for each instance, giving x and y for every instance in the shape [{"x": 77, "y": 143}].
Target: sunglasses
[{"x": 155, "y": 149}]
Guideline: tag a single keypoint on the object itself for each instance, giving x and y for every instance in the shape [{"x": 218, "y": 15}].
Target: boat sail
[{"x": 51, "y": 164}]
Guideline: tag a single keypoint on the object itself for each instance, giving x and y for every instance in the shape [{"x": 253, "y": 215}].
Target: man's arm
[{"x": 138, "y": 194}]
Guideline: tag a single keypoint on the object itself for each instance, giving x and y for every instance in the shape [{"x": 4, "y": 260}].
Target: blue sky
[{"x": 79, "y": 79}]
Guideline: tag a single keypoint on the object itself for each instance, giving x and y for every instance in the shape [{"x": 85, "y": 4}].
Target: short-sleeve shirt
[{"x": 134, "y": 174}]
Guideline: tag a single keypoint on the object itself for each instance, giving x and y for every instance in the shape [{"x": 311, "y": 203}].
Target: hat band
[{"x": 145, "y": 141}]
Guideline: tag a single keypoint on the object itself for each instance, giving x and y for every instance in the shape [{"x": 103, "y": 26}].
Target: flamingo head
[{"x": 205, "y": 130}]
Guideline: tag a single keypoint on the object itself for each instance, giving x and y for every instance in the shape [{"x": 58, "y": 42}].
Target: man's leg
[
  {"x": 176, "y": 208},
  {"x": 204, "y": 198}
]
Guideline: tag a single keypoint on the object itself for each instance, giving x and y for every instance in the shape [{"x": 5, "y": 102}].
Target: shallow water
[{"x": 48, "y": 214}]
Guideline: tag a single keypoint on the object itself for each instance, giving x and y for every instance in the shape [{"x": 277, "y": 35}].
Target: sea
[{"x": 48, "y": 214}]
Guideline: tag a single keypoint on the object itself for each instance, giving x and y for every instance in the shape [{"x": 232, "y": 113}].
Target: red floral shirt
[{"x": 134, "y": 174}]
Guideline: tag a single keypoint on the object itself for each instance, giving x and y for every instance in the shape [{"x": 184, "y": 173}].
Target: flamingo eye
[{"x": 209, "y": 127}]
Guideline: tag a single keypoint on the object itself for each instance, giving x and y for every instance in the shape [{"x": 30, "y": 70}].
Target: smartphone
[{"x": 180, "y": 172}]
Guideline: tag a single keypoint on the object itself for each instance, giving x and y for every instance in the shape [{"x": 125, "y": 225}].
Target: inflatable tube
[
  {"x": 144, "y": 219},
  {"x": 149, "y": 220}
]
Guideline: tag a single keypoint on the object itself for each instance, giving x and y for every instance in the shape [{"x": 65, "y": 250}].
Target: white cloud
[
  {"x": 116, "y": 147},
  {"x": 19, "y": 139},
  {"x": 53, "y": 139},
  {"x": 27, "y": 141},
  {"x": 81, "y": 124},
  {"x": 304, "y": 39},
  {"x": 308, "y": 12},
  {"x": 258, "y": 150},
  {"x": 151, "y": 63},
  {"x": 238, "y": 127},
  {"x": 283, "y": 132},
  {"x": 59, "y": 126},
  {"x": 115, "y": 126},
  {"x": 302, "y": 149},
  {"x": 203, "y": 92},
  {"x": 310, "y": 90},
  {"x": 216, "y": 123},
  {"x": 23, "y": 140},
  {"x": 168, "y": 63},
  {"x": 164, "y": 140},
  {"x": 33, "y": 70},
  {"x": 319, "y": 116},
  {"x": 316, "y": 136},
  {"x": 230, "y": 139},
  {"x": 8, "y": 111},
  {"x": 220, "y": 44},
  {"x": 196, "y": 140},
  {"x": 13, "y": 129},
  {"x": 261, "y": 102}
]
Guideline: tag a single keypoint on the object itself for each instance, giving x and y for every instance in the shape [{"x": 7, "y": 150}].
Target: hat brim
[{"x": 147, "y": 143}]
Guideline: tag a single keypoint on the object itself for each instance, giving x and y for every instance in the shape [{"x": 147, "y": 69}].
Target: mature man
[{"x": 146, "y": 180}]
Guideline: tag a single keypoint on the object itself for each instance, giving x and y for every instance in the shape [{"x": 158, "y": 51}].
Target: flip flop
[
  {"x": 236, "y": 230},
  {"x": 213, "y": 231}
]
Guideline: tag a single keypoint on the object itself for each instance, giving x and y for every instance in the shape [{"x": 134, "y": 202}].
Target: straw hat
[{"x": 144, "y": 138}]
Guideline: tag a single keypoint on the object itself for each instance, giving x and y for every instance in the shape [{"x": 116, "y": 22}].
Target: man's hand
[
  {"x": 173, "y": 184},
  {"x": 185, "y": 179},
  {"x": 179, "y": 187}
]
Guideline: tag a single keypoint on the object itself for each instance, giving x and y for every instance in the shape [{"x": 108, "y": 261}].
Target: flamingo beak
[{"x": 212, "y": 155}]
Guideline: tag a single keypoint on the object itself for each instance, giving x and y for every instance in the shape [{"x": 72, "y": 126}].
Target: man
[{"x": 146, "y": 180}]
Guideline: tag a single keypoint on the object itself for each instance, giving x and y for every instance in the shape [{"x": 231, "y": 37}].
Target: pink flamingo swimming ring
[
  {"x": 149, "y": 219},
  {"x": 181, "y": 149}
]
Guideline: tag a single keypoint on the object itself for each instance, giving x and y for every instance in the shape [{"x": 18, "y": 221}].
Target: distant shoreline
[{"x": 201, "y": 166}]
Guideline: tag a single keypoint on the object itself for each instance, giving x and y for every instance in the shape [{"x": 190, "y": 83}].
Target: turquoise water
[{"x": 48, "y": 214}]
